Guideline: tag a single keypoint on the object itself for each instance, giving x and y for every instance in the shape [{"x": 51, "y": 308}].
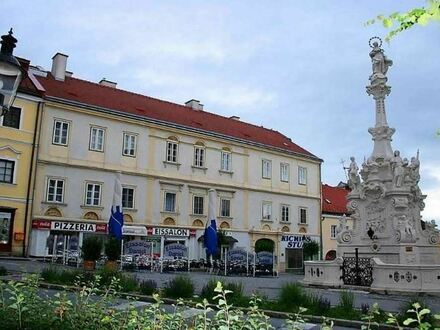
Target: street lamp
[{"x": 11, "y": 73}]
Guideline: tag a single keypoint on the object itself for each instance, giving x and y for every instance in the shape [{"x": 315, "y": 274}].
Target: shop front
[
  {"x": 61, "y": 240},
  {"x": 292, "y": 253}
]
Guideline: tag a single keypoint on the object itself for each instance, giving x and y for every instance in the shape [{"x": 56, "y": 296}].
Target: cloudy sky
[{"x": 299, "y": 67}]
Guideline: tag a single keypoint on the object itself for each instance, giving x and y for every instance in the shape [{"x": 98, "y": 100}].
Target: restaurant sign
[
  {"x": 168, "y": 231},
  {"x": 295, "y": 241},
  {"x": 69, "y": 226}
]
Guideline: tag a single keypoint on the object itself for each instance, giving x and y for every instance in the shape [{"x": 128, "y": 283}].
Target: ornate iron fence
[{"x": 357, "y": 271}]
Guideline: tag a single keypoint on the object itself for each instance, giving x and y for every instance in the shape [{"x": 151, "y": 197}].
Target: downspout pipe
[{"x": 33, "y": 162}]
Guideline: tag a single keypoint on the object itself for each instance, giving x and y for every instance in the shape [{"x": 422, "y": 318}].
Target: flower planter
[{"x": 89, "y": 265}]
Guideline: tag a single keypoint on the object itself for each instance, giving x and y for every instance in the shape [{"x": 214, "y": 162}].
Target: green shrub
[
  {"x": 112, "y": 249},
  {"x": 346, "y": 300},
  {"x": 291, "y": 296},
  {"x": 179, "y": 287},
  {"x": 3, "y": 271},
  {"x": 235, "y": 297},
  {"x": 61, "y": 276},
  {"x": 91, "y": 248},
  {"x": 148, "y": 287}
]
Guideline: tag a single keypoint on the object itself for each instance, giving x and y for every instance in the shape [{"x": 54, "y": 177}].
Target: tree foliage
[{"x": 399, "y": 22}]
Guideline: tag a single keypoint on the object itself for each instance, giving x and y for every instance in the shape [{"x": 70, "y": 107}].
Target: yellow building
[
  {"x": 17, "y": 165},
  {"x": 334, "y": 206}
]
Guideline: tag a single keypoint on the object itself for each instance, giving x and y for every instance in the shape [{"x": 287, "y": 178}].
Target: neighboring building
[
  {"x": 17, "y": 165},
  {"x": 334, "y": 206},
  {"x": 170, "y": 155}
]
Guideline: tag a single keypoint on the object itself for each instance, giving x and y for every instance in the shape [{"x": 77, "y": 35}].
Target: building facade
[
  {"x": 334, "y": 207},
  {"x": 169, "y": 156},
  {"x": 18, "y": 130}
]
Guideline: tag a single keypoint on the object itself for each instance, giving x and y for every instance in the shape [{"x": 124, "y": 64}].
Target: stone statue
[
  {"x": 354, "y": 179},
  {"x": 414, "y": 167},
  {"x": 405, "y": 227},
  {"x": 342, "y": 224},
  {"x": 379, "y": 61},
  {"x": 397, "y": 168}
]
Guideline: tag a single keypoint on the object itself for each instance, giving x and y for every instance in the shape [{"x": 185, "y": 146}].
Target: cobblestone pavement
[{"x": 268, "y": 286}]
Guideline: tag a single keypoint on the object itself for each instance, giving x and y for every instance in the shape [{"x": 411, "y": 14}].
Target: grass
[{"x": 179, "y": 287}]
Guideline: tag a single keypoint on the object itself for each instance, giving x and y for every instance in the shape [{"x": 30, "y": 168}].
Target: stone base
[{"x": 386, "y": 277}]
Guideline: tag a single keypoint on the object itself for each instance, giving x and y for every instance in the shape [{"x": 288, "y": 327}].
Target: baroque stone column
[{"x": 378, "y": 88}]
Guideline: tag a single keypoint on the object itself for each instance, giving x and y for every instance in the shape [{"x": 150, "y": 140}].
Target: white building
[{"x": 170, "y": 155}]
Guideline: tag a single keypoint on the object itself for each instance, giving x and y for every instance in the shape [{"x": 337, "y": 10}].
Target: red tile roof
[
  {"x": 73, "y": 89},
  {"x": 334, "y": 199},
  {"x": 29, "y": 85}
]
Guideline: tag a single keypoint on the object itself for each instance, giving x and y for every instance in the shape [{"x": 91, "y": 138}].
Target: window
[
  {"x": 225, "y": 207},
  {"x": 55, "y": 190},
  {"x": 285, "y": 213},
  {"x": 97, "y": 139},
  {"x": 226, "y": 161},
  {"x": 172, "y": 151},
  {"x": 170, "y": 202},
  {"x": 198, "y": 205},
  {"x": 284, "y": 172},
  {"x": 267, "y": 169},
  {"x": 12, "y": 118},
  {"x": 127, "y": 198},
  {"x": 60, "y": 132},
  {"x": 333, "y": 231},
  {"x": 302, "y": 216},
  {"x": 199, "y": 156},
  {"x": 267, "y": 211},
  {"x": 302, "y": 175},
  {"x": 93, "y": 194},
  {"x": 7, "y": 171},
  {"x": 129, "y": 147}
]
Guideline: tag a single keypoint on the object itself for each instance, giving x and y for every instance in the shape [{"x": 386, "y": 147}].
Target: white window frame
[
  {"x": 266, "y": 167},
  {"x": 194, "y": 205},
  {"x": 56, "y": 180},
  {"x": 134, "y": 198},
  {"x": 59, "y": 140},
  {"x": 224, "y": 215},
  {"x": 284, "y": 172},
  {"x": 266, "y": 211},
  {"x": 302, "y": 175},
  {"x": 129, "y": 144},
  {"x": 283, "y": 214},
  {"x": 199, "y": 156},
  {"x": 171, "y": 155},
  {"x": 93, "y": 141},
  {"x": 226, "y": 161},
  {"x": 300, "y": 218},
  {"x": 165, "y": 201},
  {"x": 333, "y": 231},
  {"x": 93, "y": 191}
]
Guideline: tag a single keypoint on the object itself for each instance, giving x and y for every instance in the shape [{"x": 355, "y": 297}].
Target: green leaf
[
  {"x": 424, "y": 311},
  {"x": 408, "y": 321},
  {"x": 387, "y": 22}
]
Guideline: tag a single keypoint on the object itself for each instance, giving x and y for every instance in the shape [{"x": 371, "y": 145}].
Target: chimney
[
  {"x": 234, "y": 118},
  {"x": 59, "y": 64},
  {"x": 194, "y": 104},
  {"x": 107, "y": 83}
]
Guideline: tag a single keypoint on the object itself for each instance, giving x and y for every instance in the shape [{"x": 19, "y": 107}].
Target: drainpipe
[
  {"x": 31, "y": 168},
  {"x": 320, "y": 214}
]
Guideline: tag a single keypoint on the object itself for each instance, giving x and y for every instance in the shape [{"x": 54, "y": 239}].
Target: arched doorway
[{"x": 264, "y": 244}]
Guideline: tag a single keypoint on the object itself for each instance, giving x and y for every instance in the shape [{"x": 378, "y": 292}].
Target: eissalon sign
[{"x": 174, "y": 232}]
